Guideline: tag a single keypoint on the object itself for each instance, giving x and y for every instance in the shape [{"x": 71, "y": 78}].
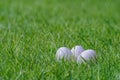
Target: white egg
[
  {"x": 76, "y": 51},
  {"x": 63, "y": 52},
  {"x": 86, "y": 56}
]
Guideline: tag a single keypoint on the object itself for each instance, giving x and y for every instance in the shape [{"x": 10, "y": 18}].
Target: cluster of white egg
[{"x": 78, "y": 53}]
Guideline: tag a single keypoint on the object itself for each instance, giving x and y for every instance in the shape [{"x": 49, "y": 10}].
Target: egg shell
[
  {"x": 63, "y": 52},
  {"x": 86, "y": 56},
  {"x": 76, "y": 51}
]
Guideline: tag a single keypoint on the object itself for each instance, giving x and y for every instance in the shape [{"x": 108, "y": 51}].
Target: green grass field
[{"x": 31, "y": 31}]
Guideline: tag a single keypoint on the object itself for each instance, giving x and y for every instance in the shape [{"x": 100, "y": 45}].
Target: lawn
[{"x": 31, "y": 31}]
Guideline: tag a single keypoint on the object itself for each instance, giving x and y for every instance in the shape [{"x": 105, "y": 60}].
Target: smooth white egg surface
[
  {"x": 63, "y": 52},
  {"x": 86, "y": 55},
  {"x": 76, "y": 51}
]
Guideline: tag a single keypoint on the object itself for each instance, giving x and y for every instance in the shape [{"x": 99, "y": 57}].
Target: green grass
[{"x": 32, "y": 30}]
